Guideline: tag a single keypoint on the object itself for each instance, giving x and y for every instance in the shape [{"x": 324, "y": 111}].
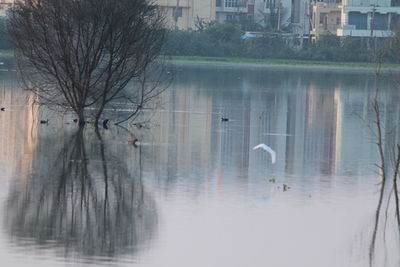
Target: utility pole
[
  {"x": 176, "y": 14},
  {"x": 278, "y": 27},
  {"x": 305, "y": 19},
  {"x": 372, "y": 25}
]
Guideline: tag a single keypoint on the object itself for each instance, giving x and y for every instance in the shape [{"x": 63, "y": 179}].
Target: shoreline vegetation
[
  {"x": 251, "y": 62},
  {"x": 222, "y": 44},
  {"x": 7, "y": 60},
  {"x": 7, "y": 54},
  {"x": 225, "y": 44}
]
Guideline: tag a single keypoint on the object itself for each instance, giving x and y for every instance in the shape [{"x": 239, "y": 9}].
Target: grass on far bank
[
  {"x": 284, "y": 62},
  {"x": 6, "y": 53},
  {"x": 9, "y": 54}
]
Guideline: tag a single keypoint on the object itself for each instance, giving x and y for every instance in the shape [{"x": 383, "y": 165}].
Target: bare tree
[{"x": 82, "y": 54}]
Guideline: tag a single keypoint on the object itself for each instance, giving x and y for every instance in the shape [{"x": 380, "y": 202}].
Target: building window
[
  {"x": 218, "y": 3},
  {"x": 232, "y": 3},
  {"x": 358, "y": 20},
  {"x": 337, "y": 20},
  {"x": 379, "y": 21},
  {"x": 322, "y": 18},
  {"x": 177, "y": 12},
  {"x": 269, "y": 3},
  {"x": 395, "y": 3}
]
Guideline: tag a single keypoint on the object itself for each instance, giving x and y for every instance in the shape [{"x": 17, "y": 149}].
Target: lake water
[{"x": 194, "y": 193}]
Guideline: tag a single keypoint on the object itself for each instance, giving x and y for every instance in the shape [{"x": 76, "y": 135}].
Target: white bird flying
[{"x": 269, "y": 150}]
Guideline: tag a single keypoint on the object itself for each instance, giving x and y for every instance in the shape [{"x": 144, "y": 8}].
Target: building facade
[
  {"x": 326, "y": 19},
  {"x": 305, "y": 18},
  {"x": 183, "y": 14},
  {"x": 369, "y": 18},
  {"x": 227, "y": 10}
]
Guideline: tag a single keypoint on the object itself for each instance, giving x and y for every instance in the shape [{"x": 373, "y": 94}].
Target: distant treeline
[{"x": 224, "y": 40}]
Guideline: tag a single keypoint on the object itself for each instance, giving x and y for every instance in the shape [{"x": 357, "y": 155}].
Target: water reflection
[
  {"x": 317, "y": 124},
  {"x": 86, "y": 194},
  {"x": 82, "y": 198},
  {"x": 387, "y": 131},
  {"x": 313, "y": 120}
]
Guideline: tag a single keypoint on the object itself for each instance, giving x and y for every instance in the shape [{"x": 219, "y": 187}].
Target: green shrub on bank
[
  {"x": 332, "y": 48},
  {"x": 269, "y": 46},
  {"x": 216, "y": 40},
  {"x": 223, "y": 40}
]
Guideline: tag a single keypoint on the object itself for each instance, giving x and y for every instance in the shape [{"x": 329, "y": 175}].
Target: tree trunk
[
  {"x": 98, "y": 114},
  {"x": 81, "y": 118}
]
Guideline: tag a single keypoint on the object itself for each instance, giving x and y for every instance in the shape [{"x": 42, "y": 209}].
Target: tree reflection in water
[
  {"x": 385, "y": 240},
  {"x": 85, "y": 200}
]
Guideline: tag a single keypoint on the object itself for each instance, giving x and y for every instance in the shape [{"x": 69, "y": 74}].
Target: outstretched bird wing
[{"x": 269, "y": 150}]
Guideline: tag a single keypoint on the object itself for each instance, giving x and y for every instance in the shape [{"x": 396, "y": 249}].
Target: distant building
[
  {"x": 227, "y": 10},
  {"x": 182, "y": 14},
  {"x": 369, "y": 18},
  {"x": 326, "y": 18},
  {"x": 306, "y": 18}
]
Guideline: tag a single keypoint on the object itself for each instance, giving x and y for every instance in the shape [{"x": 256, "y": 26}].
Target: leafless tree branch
[{"x": 83, "y": 54}]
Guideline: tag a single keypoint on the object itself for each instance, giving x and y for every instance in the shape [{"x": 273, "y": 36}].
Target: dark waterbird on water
[
  {"x": 44, "y": 121},
  {"x": 224, "y": 119},
  {"x": 138, "y": 125},
  {"x": 105, "y": 123},
  {"x": 3, "y": 109},
  {"x": 134, "y": 142},
  {"x": 81, "y": 123}
]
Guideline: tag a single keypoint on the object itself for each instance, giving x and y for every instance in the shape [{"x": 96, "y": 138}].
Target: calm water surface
[{"x": 194, "y": 193}]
